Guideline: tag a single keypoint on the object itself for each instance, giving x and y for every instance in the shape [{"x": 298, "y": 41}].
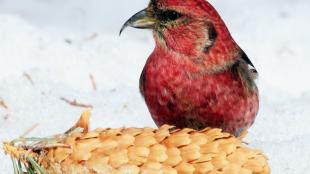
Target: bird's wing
[
  {"x": 245, "y": 69},
  {"x": 141, "y": 82}
]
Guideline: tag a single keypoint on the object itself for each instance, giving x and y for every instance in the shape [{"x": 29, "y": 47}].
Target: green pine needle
[
  {"x": 36, "y": 165},
  {"x": 15, "y": 166}
]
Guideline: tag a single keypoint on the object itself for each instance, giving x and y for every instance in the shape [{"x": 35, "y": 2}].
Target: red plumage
[
  {"x": 197, "y": 76},
  {"x": 176, "y": 93}
]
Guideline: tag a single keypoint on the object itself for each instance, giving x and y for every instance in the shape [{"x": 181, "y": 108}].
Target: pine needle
[
  {"x": 29, "y": 170},
  {"x": 14, "y": 166},
  {"x": 36, "y": 166}
]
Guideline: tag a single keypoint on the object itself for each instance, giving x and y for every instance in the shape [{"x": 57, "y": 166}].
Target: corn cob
[{"x": 166, "y": 150}]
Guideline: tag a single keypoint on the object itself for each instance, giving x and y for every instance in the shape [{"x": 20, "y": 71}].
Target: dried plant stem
[
  {"x": 76, "y": 104},
  {"x": 93, "y": 82}
]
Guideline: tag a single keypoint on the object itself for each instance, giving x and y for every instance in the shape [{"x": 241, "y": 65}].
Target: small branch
[
  {"x": 29, "y": 78},
  {"x": 93, "y": 82},
  {"x": 30, "y": 130},
  {"x": 76, "y": 104},
  {"x": 2, "y": 104},
  {"x": 6, "y": 117},
  {"x": 91, "y": 37},
  {"x": 43, "y": 145}
]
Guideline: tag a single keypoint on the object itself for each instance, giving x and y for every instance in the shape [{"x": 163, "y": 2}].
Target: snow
[{"x": 60, "y": 43}]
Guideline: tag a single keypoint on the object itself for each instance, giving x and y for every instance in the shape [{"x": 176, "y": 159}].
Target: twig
[
  {"x": 91, "y": 37},
  {"x": 30, "y": 130},
  {"x": 76, "y": 104},
  {"x": 68, "y": 41},
  {"x": 2, "y": 104},
  {"x": 6, "y": 117},
  {"x": 42, "y": 145},
  {"x": 29, "y": 78},
  {"x": 93, "y": 82}
]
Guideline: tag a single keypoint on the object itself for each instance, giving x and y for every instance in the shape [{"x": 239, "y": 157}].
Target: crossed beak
[{"x": 144, "y": 19}]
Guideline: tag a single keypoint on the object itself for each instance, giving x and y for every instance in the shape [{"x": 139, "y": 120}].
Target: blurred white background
[{"x": 49, "y": 48}]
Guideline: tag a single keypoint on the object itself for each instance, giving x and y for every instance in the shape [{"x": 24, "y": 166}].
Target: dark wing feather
[
  {"x": 141, "y": 82},
  {"x": 245, "y": 69}
]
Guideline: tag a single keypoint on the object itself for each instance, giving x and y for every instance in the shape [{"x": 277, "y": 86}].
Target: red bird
[{"x": 197, "y": 76}]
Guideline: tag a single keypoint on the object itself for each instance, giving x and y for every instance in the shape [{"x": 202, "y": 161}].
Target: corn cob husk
[{"x": 166, "y": 150}]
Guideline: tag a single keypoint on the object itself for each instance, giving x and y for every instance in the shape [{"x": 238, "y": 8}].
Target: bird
[{"x": 197, "y": 75}]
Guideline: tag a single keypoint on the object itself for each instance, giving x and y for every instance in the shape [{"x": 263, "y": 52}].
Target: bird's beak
[{"x": 143, "y": 19}]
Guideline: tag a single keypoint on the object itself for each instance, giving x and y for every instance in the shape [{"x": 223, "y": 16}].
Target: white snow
[{"x": 59, "y": 43}]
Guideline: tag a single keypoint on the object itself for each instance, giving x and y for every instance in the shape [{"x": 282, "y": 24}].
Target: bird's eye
[{"x": 168, "y": 15}]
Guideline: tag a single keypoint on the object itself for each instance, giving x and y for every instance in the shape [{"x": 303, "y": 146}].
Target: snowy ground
[{"x": 49, "y": 48}]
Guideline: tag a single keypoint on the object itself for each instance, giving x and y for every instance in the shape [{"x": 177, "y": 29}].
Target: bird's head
[{"x": 188, "y": 27}]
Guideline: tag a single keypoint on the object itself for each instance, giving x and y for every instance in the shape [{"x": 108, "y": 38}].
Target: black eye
[{"x": 168, "y": 15}]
